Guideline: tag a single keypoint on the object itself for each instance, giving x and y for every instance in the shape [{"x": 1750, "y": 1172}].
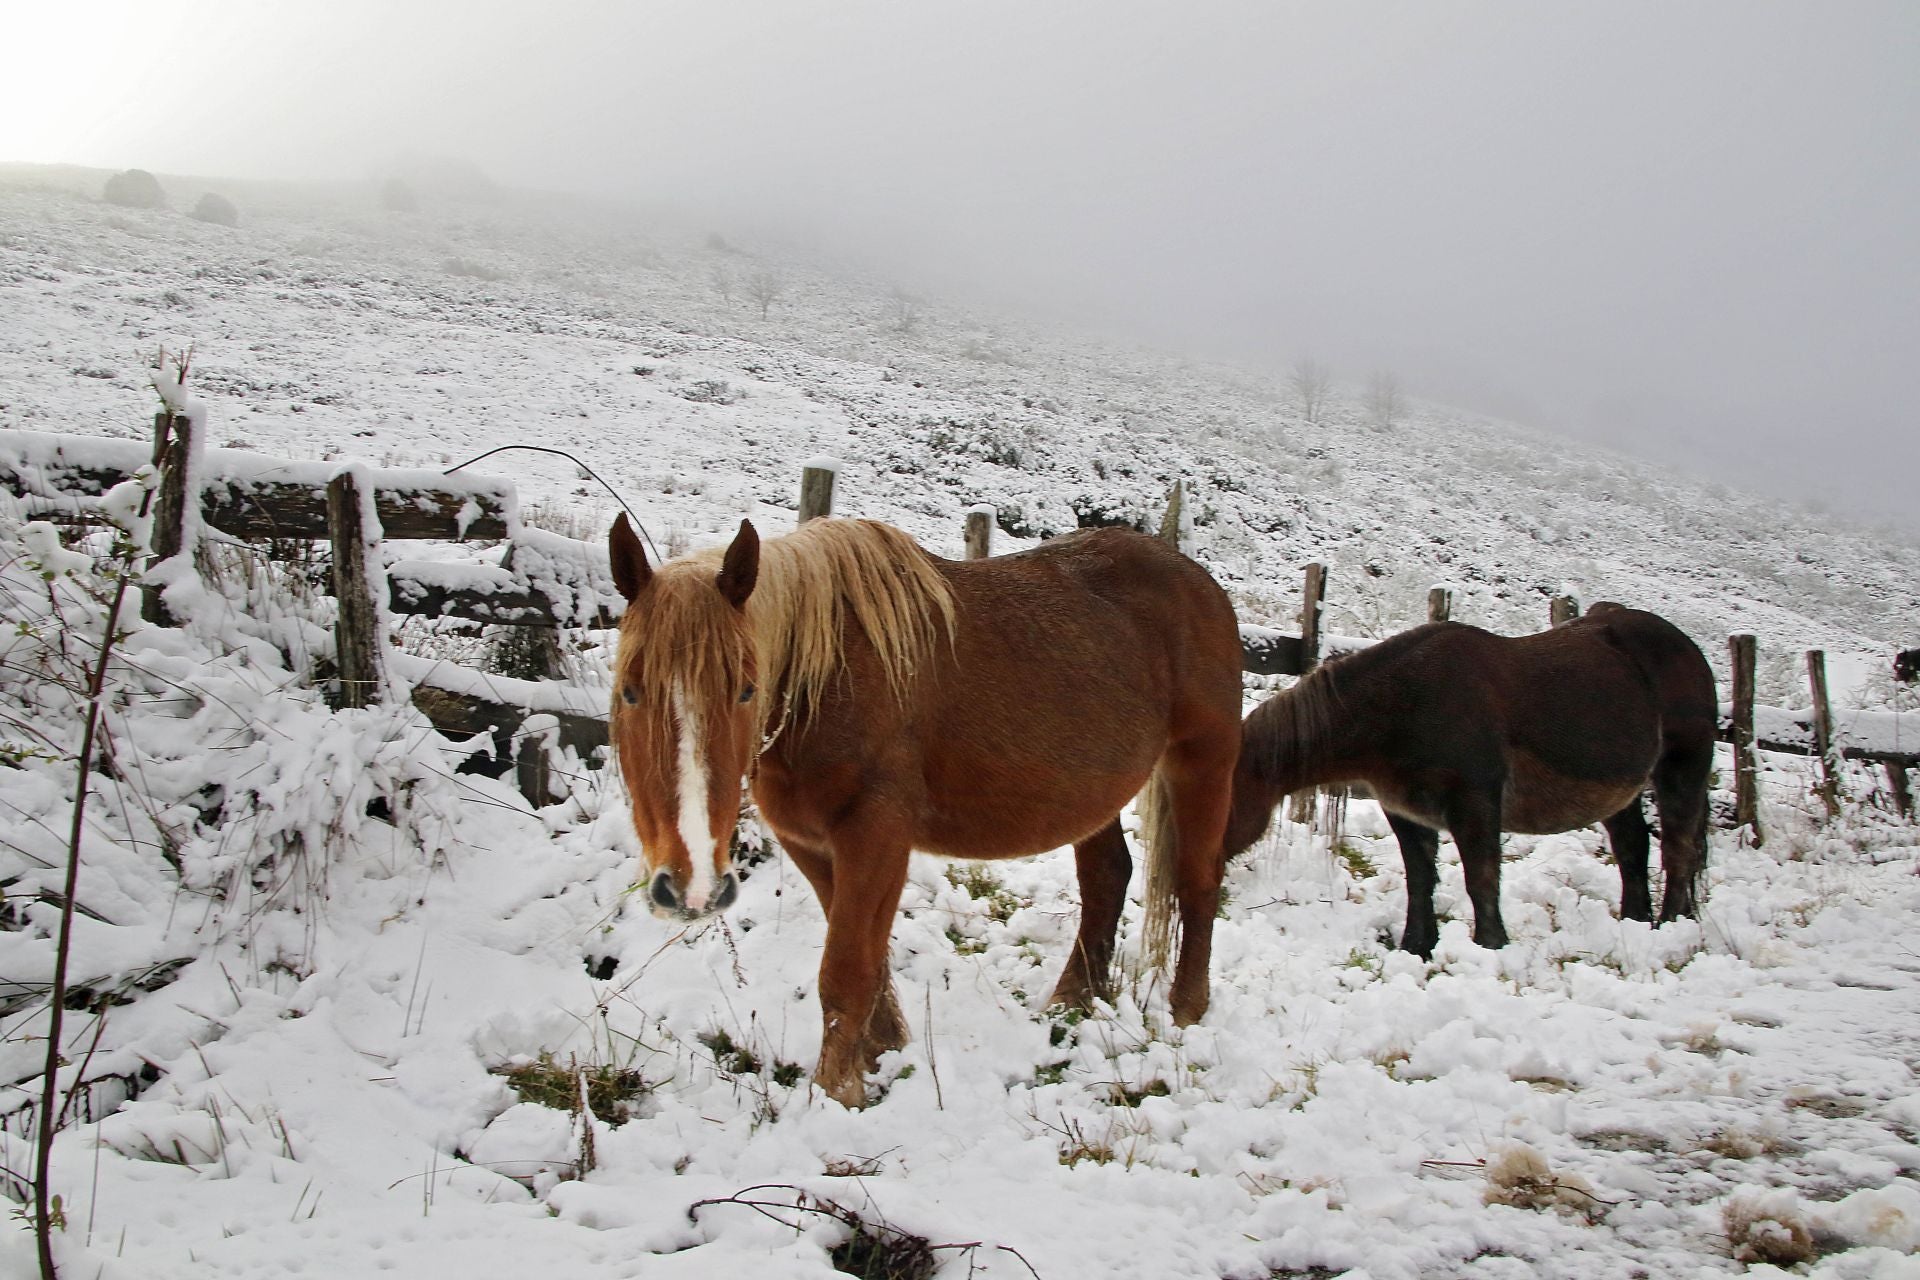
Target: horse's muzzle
[{"x": 666, "y": 899}]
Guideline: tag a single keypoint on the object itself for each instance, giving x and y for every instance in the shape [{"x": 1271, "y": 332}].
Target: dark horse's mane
[{"x": 1291, "y": 734}]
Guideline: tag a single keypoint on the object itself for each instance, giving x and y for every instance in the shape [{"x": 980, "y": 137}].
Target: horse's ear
[
  {"x": 741, "y": 568},
  {"x": 631, "y": 572}
]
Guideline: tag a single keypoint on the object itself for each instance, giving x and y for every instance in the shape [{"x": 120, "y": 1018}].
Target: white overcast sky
[{"x": 1686, "y": 229}]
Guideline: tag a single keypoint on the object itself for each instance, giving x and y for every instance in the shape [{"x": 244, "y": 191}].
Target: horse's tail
[{"x": 1162, "y": 839}]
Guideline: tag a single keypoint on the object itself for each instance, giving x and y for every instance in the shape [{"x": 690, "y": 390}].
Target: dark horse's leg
[
  {"x": 1627, "y": 831},
  {"x": 1105, "y": 866},
  {"x": 860, "y": 1016},
  {"x": 1419, "y": 848},
  {"x": 1474, "y": 822},
  {"x": 1680, "y": 785}
]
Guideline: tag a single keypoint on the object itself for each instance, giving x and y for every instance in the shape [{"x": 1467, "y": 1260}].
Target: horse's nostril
[
  {"x": 729, "y": 890},
  {"x": 661, "y": 891}
]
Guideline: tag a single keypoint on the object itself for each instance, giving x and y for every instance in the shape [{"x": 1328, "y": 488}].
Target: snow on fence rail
[
  {"x": 248, "y": 496},
  {"x": 545, "y": 580}
]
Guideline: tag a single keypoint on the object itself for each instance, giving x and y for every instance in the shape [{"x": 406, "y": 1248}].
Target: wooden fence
[{"x": 546, "y": 581}]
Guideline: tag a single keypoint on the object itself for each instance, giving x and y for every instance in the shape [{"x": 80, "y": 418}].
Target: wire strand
[{"x": 541, "y": 448}]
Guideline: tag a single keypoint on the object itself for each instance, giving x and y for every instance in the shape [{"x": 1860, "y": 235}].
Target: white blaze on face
[{"x": 696, "y": 832}]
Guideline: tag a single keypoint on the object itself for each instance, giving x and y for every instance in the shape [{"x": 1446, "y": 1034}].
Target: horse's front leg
[
  {"x": 1104, "y": 866},
  {"x": 1475, "y": 826},
  {"x": 1419, "y": 852},
  {"x": 860, "y": 1015}
]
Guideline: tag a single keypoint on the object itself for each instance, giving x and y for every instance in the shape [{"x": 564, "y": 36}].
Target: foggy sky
[{"x": 1688, "y": 230}]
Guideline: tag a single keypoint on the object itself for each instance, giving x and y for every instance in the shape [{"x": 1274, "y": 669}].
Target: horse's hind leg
[
  {"x": 1199, "y": 776},
  {"x": 1419, "y": 850},
  {"x": 1105, "y": 867},
  {"x": 1680, "y": 786},
  {"x": 1627, "y": 832}
]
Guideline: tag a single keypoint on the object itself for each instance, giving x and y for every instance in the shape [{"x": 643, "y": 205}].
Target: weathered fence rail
[
  {"x": 545, "y": 580},
  {"x": 248, "y": 496}
]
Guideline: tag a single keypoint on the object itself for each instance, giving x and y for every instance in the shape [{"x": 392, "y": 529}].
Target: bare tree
[
  {"x": 720, "y": 276},
  {"x": 1384, "y": 402},
  {"x": 766, "y": 286},
  {"x": 903, "y": 311},
  {"x": 1310, "y": 382}
]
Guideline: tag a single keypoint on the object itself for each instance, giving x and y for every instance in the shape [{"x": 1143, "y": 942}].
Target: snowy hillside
[
  {"x": 325, "y": 326},
  {"x": 326, "y": 973}
]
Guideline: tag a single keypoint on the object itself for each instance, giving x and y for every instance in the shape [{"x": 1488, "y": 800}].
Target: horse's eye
[
  {"x": 746, "y": 694},
  {"x": 628, "y": 695}
]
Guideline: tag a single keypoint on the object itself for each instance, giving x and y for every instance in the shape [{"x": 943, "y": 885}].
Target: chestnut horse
[
  {"x": 880, "y": 699},
  {"x": 1451, "y": 726}
]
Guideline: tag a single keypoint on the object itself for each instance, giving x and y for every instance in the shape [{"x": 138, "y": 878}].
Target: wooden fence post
[
  {"x": 1746, "y": 764},
  {"x": 1313, "y": 593},
  {"x": 1170, "y": 521},
  {"x": 533, "y": 772},
  {"x": 1439, "y": 604},
  {"x": 526, "y": 653},
  {"x": 1902, "y": 793},
  {"x": 173, "y": 450},
  {"x": 357, "y": 629},
  {"x": 1823, "y": 732},
  {"x": 979, "y": 532},
  {"x": 1310, "y": 601},
  {"x": 816, "y": 488},
  {"x": 1562, "y": 609}
]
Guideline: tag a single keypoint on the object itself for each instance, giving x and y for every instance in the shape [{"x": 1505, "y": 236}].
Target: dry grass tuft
[
  {"x": 1520, "y": 1177},
  {"x": 1767, "y": 1226}
]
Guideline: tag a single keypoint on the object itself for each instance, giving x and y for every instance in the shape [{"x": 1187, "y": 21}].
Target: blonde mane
[{"x": 809, "y": 582}]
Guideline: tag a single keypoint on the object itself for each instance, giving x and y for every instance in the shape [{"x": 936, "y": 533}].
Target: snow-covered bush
[
  {"x": 217, "y": 209},
  {"x": 135, "y": 189}
]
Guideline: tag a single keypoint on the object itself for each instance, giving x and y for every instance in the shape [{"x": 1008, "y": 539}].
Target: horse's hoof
[
  {"x": 1077, "y": 996},
  {"x": 1188, "y": 1012},
  {"x": 851, "y": 1094}
]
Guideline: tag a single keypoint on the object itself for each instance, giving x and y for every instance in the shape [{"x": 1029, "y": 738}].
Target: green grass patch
[{"x": 611, "y": 1091}]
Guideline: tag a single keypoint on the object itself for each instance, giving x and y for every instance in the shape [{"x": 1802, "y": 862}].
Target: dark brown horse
[
  {"x": 1453, "y": 727},
  {"x": 881, "y": 700}
]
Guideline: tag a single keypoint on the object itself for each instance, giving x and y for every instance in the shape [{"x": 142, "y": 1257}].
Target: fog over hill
[
  {"x": 326, "y": 324},
  {"x": 1684, "y": 233}
]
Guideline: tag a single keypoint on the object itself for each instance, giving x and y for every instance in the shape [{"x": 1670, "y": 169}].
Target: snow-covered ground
[{"x": 310, "y": 948}]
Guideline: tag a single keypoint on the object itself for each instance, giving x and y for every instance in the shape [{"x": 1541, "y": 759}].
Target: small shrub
[
  {"x": 1126, "y": 1095},
  {"x": 730, "y": 1057},
  {"x": 611, "y": 1091},
  {"x": 468, "y": 269},
  {"x": 1365, "y": 961},
  {"x": 985, "y": 888},
  {"x": 883, "y": 1253},
  {"x": 1767, "y": 1226},
  {"x": 1521, "y": 1178},
  {"x": 735, "y": 1059},
  {"x": 136, "y": 189},
  {"x": 1355, "y": 860},
  {"x": 711, "y": 391},
  {"x": 217, "y": 209}
]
